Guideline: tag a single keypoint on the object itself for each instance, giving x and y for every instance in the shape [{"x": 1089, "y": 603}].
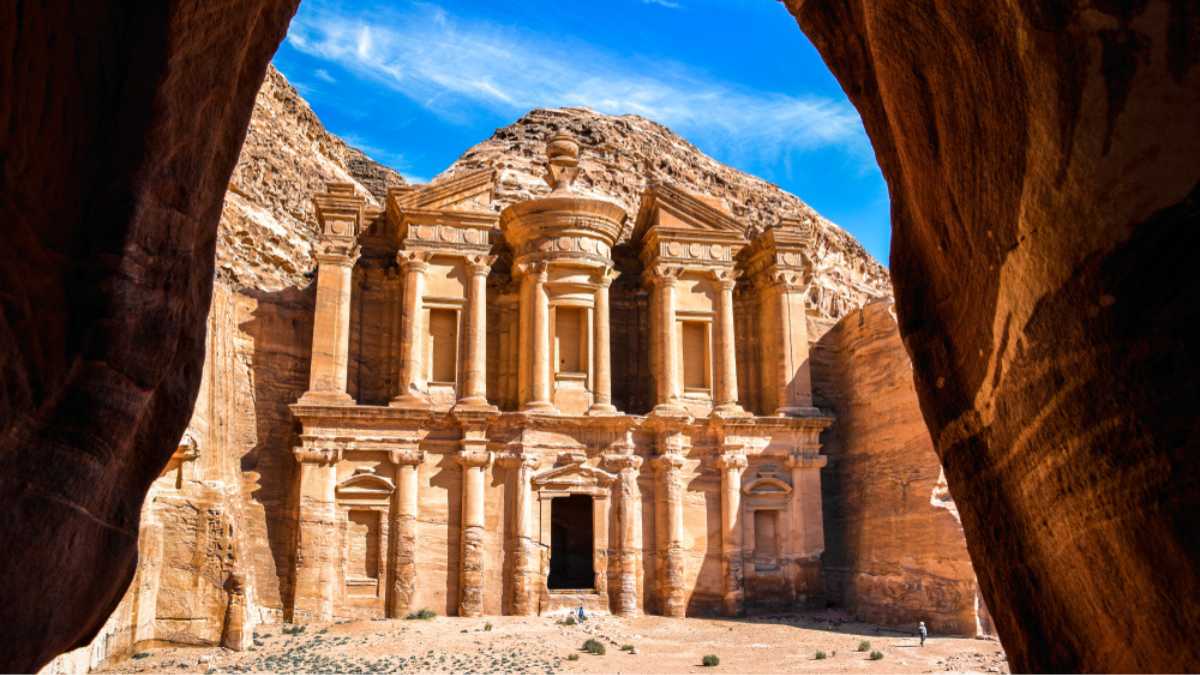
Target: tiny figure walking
[
  {"x": 924, "y": 632},
  {"x": 580, "y": 616}
]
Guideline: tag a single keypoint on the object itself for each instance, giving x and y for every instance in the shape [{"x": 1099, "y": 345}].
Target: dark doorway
[{"x": 571, "y": 543}]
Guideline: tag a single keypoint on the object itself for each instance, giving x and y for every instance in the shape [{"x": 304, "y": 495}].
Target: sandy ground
[{"x": 775, "y": 644}]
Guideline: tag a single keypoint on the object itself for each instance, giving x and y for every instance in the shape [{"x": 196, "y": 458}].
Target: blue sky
[{"x": 414, "y": 84}]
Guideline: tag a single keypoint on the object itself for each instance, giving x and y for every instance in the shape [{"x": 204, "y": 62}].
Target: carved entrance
[{"x": 568, "y": 495}]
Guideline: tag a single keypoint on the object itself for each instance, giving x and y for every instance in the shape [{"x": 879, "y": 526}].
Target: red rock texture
[
  {"x": 894, "y": 549},
  {"x": 119, "y": 126},
  {"x": 1043, "y": 160}
]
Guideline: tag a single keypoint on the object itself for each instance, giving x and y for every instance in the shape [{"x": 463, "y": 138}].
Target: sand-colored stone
[{"x": 895, "y": 552}]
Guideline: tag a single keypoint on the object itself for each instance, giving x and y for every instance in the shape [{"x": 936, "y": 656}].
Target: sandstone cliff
[
  {"x": 895, "y": 552},
  {"x": 622, "y": 154}
]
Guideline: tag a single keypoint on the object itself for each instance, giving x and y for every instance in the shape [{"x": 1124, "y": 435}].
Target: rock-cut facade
[{"x": 523, "y": 411}]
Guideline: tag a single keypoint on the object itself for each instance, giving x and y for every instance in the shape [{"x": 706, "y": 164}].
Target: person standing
[{"x": 923, "y": 631}]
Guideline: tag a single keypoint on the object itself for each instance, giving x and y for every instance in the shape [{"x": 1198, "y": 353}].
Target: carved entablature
[
  {"x": 342, "y": 214},
  {"x": 780, "y": 254},
  {"x": 451, "y": 232},
  {"x": 675, "y": 227}
]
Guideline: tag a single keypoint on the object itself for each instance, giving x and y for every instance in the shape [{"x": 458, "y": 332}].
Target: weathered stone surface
[
  {"x": 1044, "y": 165},
  {"x": 624, "y": 154},
  {"x": 895, "y": 552},
  {"x": 121, "y": 126}
]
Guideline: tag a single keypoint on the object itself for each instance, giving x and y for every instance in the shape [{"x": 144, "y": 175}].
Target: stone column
[
  {"x": 601, "y": 341},
  {"x": 525, "y": 556},
  {"x": 794, "y": 381},
  {"x": 669, "y": 390},
  {"x": 806, "y": 532},
  {"x": 475, "y": 327},
  {"x": 404, "y": 528},
  {"x": 474, "y": 459},
  {"x": 671, "y": 591},
  {"x": 731, "y": 463},
  {"x": 536, "y": 358},
  {"x": 726, "y": 399},
  {"x": 412, "y": 345},
  {"x": 628, "y": 502},
  {"x": 331, "y": 326},
  {"x": 317, "y": 555}
]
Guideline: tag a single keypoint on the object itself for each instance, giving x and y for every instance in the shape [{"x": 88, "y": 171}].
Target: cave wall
[
  {"x": 894, "y": 549},
  {"x": 1043, "y": 160},
  {"x": 119, "y": 127}
]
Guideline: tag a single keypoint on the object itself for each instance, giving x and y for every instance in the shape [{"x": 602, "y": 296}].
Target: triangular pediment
[
  {"x": 470, "y": 191},
  {"x": 680, "y": 214}
]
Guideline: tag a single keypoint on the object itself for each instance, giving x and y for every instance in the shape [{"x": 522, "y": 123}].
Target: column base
[
  {"x": 730, "y": 410},
  {"x": 420, "y": 401},
  {"x": 797, "y": 411},
  {"x": 544, "y": 407},
  {"x": 326, "y": 398},
  {"x": 673, "y": 409},
  {"x": 603, "y": 410},
  {"x": 474, "y": 404}
]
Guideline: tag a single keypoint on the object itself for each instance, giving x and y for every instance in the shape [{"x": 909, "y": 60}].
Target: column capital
[
  {"x": 785, "y": 279},
  {"x": 340, "y": 252},
  {"x": 731, "y": 460},
  {"x": 413, "y": 261},
  {"x": 519, "y": 460},
  {"x": 667, "y": 463},
  {"x": 724, "y": 278},
  {"x": 617, "y": 462},
  {"x": 604, "y": 277},
  {"x": 662, "y": 275},
  {"x": 537, "y": 270},
  {"x": 305, "y": 454},
  {"x": 480, "y": 265},
  {"x": 806, "y": 459},
  {"x": 406, "y": 457},
  {"x": 473, "y": 458}
]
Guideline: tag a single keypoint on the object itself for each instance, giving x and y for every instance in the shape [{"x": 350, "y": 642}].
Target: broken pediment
[
  {"x": 471, "y": 191},
  {"x": 670, "y": 208}
]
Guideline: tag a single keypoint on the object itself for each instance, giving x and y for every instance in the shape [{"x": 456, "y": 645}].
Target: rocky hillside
[
  {"x": 268, "y": 227},
  {"x": 621, "y": 154}
]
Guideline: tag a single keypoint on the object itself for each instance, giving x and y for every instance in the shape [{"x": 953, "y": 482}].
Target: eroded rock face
[
  {"x": 623, "y": 154},
  {"x": 1044, "y": 166},
  {"x": 895, "y": 552},
  {"x": 122, "y": 124}
]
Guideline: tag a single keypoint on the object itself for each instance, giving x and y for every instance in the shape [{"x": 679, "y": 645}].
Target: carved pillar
[
  {"x": 475, "y": 327},
  {"x": 601, "y": 341},
  {"x": 726, "y": 399},
  {"x": 474, "y": 459},
  {"x": 315, "y": 582},
  {"x": 412, "y": 350},
  {"x": 807, "y": 535},
  {"x": 331, "y": 326},
  {"x": 666, "y": 329},
  {"x": 628, "y": 500},
  {"x": 793, "y": 379},
  {"x": 404, "y": 528},
  {"x": 669, "y": 469},
  {"x": 536, "y": 354},
  {"x": 526, "y": 558},
  {"x": 731, "y": 463}
]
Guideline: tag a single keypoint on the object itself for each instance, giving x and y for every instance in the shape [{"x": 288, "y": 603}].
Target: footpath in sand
[{"x": 509, "y": 644}]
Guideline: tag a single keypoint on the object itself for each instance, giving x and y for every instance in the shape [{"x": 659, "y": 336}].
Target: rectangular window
[
  {"x": 443, "y": 345},
  {"x": 568, "y": 339},
  {"x": 364, "y": 545},
  {"x": 695, "y": 354},
  {"x": 766, "y": 533}
]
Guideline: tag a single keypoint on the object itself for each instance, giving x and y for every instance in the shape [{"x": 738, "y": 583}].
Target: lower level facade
[{"x": 475, "y": 513}]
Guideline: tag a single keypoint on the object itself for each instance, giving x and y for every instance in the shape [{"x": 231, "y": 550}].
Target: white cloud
[
  {"x": 455, "y": 68},
  {"x": 669, "y": 4},
  {"x": 323, "y": 75}
]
